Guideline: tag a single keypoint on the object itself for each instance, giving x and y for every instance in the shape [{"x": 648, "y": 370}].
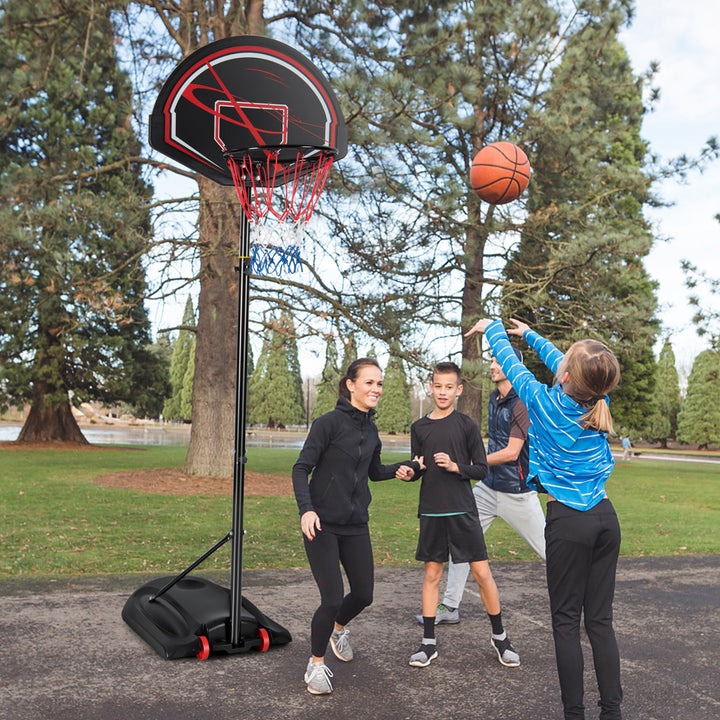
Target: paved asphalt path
[
  {"x": 648, "y": 455},
  {"x": 67, "y": 655}
]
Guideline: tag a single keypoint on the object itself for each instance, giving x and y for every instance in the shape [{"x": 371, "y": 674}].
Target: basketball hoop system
[
  {"x": 215, "y": 114},
  {"x": 278, "y": 187}
]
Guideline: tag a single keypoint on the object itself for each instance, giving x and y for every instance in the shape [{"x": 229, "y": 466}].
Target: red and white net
[{"x": 278, "y": 193}]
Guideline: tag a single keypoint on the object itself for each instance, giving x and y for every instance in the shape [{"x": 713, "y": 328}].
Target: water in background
[
  {"x": 178, "y": 435},
  {"x": 115, "y": 435}
]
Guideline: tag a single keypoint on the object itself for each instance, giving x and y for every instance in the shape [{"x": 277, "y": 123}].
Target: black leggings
[
  {"x": 325, "y": 553},
  {"x": 582, "y": 553}
]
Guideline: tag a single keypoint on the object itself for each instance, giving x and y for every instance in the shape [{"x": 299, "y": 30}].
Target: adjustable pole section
[{"x": 240, "y": 459}]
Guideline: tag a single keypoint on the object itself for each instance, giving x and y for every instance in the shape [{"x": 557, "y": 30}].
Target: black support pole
[{"x": 237, "y": 531}]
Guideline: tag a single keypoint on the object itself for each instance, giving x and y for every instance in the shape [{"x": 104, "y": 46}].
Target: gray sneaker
[
  {"x": 424, "y": 656},
  {"x": 506, "y": 652},
  {"x": 317, "y": 677},
  {"x": 443, "y": 616},
  {"x": 340, "y": 644}
]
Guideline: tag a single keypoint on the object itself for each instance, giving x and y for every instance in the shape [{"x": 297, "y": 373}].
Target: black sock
[
  {"x": 428, "y": 628},
  {"x": 496, "y": 622}
]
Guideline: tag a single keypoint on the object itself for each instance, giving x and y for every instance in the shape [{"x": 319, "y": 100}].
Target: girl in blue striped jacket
[{"x": 570, "y": 459}]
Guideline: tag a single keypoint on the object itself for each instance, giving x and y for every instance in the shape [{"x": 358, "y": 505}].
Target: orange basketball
[{"x": 500, "y": 173}]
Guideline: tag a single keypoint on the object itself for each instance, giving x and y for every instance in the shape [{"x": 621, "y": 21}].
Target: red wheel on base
[
  {"x": 204, "y": 653},
  {"x": 264, "y": 639}
]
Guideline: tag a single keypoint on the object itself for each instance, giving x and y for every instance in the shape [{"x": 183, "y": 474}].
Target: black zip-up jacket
[{"x": 343, "y": 447}]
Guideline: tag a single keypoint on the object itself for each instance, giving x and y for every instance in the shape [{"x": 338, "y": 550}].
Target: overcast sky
[{"x": 682, "y": 35}]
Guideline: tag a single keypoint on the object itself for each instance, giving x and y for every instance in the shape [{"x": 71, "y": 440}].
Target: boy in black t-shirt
[{"x": 451, "y": 452}]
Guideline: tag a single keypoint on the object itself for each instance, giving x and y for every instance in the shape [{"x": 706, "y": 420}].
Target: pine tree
[
  {"x": 182, "y": 368},
  {"x": 250, "y": 361},
  {"x": 327, "y": 389},
  {"x": 255, "y": 389},
  {"x": 163, "y": 347},
  {"x": 272, "y": 397},
  {"x": 75, "y": 219},
  {"x": 287, "y": 327},
  {"x": 707, "y": 309},
  {"x": 631, "y": 402},
  {"x": 187, "y": 386},
  {"x": 394, "y": 413},
  {"x": 662, "y": 424},
  {"x": 699, "y": 416},
  {"x": 578, "y": 271},
  {"x": 157, "y": 395}
]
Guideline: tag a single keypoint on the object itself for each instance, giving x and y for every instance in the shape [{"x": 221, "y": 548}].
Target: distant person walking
[
  {"x": 341, "y": 451},
  {"x": 570, "y": 459},
  {"x": 627, "y": 447}
]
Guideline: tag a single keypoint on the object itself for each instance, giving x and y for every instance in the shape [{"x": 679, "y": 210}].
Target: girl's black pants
[{"x": 582, "y": 552}]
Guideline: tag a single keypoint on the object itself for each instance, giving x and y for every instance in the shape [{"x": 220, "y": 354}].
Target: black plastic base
[{"x": 175, "y": 623}]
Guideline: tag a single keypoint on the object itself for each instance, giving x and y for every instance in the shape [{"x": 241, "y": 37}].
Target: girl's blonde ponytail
[{"x": 593, "y": 371}]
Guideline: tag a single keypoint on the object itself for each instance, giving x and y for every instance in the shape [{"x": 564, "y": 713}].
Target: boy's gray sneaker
[
  {"x": 506, "y": 652},
  {"x": 340, "y": 644},
  {"x": 424, "y": 656},
  {"x": 317, "y": 677},
  {"x": 443, "y": 616}
]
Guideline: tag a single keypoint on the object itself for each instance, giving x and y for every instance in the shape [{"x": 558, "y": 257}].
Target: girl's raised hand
[
  {"x": 478, "y": 327},
  {"x": 519, "y": 329}
]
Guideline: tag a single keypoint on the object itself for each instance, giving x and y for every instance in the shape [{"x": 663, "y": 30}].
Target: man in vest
[{"x": 504, "y": 493}]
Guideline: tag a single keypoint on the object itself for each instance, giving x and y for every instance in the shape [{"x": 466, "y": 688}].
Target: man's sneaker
[
  {"x": 443, "y": 616},
  {"x": 424, "y": 656},
  {"x": 506, "y": 652},
  {"x": 340, "y": 644},
  {"x": 317, "y": 677},
  {"x": 446, "y": 616}
]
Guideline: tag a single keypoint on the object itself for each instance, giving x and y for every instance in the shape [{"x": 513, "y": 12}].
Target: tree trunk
[
  {"x": 254, "y": 11},
  {"x": 471, "y": 400},
  {"x": 50, "y": 423},
  {"x": 213, "y": 399}
]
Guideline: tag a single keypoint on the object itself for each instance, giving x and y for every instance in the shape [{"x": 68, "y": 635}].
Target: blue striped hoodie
[{"x": 572, "y": 463}]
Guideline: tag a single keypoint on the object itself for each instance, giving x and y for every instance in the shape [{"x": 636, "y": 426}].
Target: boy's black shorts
[{"x": 458, "y": 535}]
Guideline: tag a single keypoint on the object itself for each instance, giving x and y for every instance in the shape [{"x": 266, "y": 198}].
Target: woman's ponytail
[{"x": 342, "y": 387}]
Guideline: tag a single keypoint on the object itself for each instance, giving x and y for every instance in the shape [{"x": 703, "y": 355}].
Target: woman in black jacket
[{"x": 342, "y": 450}]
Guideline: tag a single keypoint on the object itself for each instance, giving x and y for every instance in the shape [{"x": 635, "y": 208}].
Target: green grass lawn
[{"x": 56, "y": 521}]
